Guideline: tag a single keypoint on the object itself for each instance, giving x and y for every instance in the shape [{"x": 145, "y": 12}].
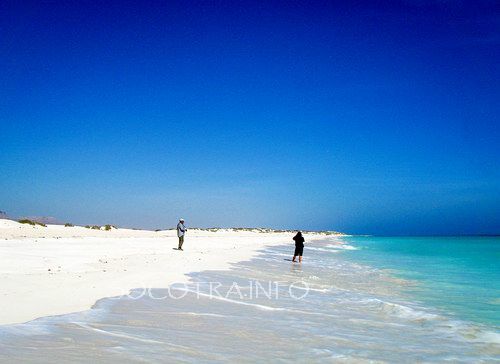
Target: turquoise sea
[
  {"x": 353, "y": 299},
  {"x": 460, "y": 275}
]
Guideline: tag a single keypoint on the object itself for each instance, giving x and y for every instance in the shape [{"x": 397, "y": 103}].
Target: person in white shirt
[{"x": 181, "y": 230}]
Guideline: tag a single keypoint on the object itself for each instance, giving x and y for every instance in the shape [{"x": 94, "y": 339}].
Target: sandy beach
[
  {"x": 331, "y": 308},
  {"x": 55, "y": 270}
]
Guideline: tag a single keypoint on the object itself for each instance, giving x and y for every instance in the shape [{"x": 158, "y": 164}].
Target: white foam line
[
  {"x": 322, "y": 290},
  {"x": 202, "y": 314},
  {"x": 119, "y": 335},
  {"x": 256, "y": 305}
]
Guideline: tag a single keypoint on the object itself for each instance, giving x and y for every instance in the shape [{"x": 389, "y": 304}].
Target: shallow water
[
  {"x": 458, "y": 274},
  {"x": 350, "y": 312}
]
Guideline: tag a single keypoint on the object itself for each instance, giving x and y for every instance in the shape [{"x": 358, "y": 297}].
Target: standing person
[
  {"x": 181, "y": 230},
  {"x": 299, "y": 246}
]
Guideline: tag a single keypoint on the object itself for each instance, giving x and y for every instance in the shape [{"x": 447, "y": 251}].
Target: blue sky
[{"x": 377, "y": 118}]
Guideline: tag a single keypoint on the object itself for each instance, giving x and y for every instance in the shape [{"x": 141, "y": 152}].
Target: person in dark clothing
[{"x": 299, "y": 246}]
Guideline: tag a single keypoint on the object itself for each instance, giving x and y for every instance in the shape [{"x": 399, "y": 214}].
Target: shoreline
[
  {"x": 143, "y": 327},
  {"x": 56, "y": 270}
]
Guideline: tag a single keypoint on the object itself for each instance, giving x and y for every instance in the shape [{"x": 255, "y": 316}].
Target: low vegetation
[
  {"x": 31, "y": 222},
  {"x": 26, "y": 221},
  {"x": 68, "y": 224},
  {"x": 267, "y": 230}
]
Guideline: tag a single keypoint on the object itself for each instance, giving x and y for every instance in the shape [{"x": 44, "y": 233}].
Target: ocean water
[
  {"x": 366, "y": 300},
  {"x": 460, "y": 275}
]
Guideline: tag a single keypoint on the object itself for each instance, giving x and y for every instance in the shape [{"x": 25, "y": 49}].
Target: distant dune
[{"x": 47, "y": 220}]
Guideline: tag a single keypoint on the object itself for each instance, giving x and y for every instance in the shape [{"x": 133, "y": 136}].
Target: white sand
[{"x": 54, "y": 270}]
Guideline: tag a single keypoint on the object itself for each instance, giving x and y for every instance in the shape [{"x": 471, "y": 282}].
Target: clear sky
[{"x": 365, "y": 117}]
